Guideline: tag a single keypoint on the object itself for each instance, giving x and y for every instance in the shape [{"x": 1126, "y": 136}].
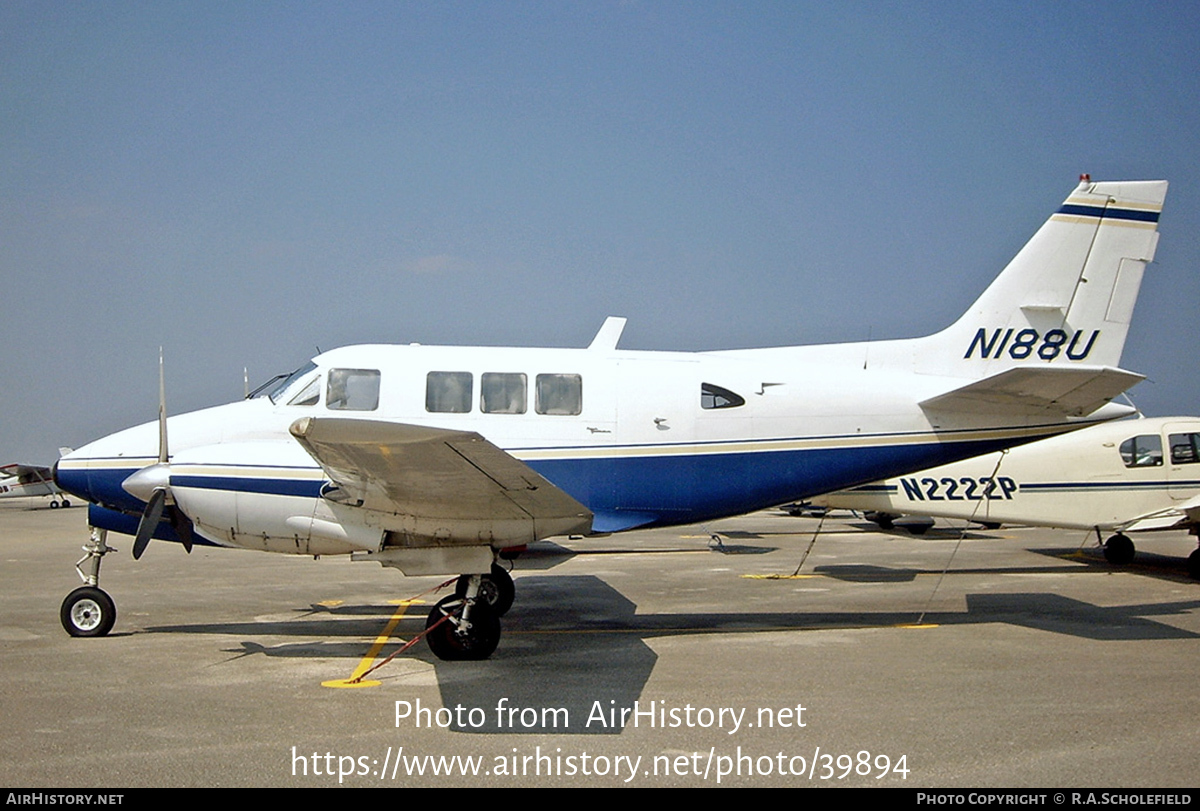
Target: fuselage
[{"x": 639, "y": 438}]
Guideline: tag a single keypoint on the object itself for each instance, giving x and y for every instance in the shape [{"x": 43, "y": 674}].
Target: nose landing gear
[{"x": 88, "y": 610}]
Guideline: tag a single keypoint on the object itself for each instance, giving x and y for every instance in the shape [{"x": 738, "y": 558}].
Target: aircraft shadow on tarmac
[{"x": 573, "y": 641}]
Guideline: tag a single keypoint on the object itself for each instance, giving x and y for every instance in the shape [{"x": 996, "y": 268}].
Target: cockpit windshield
[{"x": 283, "y": 388}]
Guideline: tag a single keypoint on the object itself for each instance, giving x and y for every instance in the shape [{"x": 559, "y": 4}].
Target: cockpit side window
[
  {"x": 448, "y": 392},
  {"x": 1142, "y": 451},
  {"x": 309, "y": 395},
  {"x": 712, "y": 396},
  {"x": 283, "y": 388},
  {"x": 352, "y": 390}
]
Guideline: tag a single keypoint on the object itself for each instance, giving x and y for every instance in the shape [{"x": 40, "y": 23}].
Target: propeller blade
[
  {"x": 149, "y": 522},
  {"x": 182, "y": 526},
  {"x": 162, "y": 411}
]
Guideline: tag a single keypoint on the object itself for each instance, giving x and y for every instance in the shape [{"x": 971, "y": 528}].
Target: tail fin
[{"x": 1067, "y": 298}]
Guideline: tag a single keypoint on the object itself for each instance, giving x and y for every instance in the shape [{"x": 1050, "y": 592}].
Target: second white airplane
[
  {"x": 434, "y": 459},
  {"x": 1119, "y": 477}
]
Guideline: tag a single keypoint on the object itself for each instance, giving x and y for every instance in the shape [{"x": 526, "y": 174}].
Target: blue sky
[{"x": 242, "y": 183}]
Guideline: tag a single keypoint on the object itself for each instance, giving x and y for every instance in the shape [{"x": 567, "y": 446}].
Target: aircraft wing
[
  {"x": 1074, "y": 391},
  {"x": 27, "y": 474},
  {"x": 432, "y": 473}
]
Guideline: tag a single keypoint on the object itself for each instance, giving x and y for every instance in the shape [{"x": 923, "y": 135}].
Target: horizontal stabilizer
[{"x": 1073, "y": 391}]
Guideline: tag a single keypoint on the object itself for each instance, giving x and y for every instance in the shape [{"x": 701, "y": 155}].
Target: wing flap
[{"x": 1036, "y": 391}]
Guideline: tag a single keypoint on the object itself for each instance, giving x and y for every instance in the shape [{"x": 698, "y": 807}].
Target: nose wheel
[{"x": 88, "y": 611}]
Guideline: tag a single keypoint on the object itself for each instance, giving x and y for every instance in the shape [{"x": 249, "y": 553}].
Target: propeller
[{"x": 153, "y": 484}]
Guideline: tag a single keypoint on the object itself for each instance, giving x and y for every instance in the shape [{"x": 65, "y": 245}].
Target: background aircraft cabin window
[
  {"x": 502, "y": 393},
  {"x": 1142, "y": 451},
  {"x": 353, "y": 390},
  {"x": 716, "y": 397},
  {"x": 1184, "y": 448},
  {"x": 559, "y": 394},
  {"x": 448, "y": 392}
]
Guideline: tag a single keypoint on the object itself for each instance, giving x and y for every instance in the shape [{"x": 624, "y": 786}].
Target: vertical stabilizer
[{"x": 1067, "y": 298}]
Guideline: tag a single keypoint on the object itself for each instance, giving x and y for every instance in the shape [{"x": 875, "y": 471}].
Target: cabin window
[
  {"x": 353, "y": 390},
  {"x": 1184, "y": 449},
  {"x": 448, "y": 392},
  {"x": 717, "y": 397},
  {"x": 1142, "y": 451},
  {"x": 502, "y": 393},
  {"x": 559, "y": 394}
]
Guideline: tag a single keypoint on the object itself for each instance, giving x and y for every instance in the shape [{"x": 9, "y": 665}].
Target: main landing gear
[
  {"x": 496, "y": 589},
  {"x": 1118, "y": 550},
  {"x": 465, "y": 627},
  {"x": 88, "y": 610}
]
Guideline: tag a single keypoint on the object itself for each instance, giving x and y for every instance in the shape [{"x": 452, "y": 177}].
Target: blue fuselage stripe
[{"x": 675, "y": 488}]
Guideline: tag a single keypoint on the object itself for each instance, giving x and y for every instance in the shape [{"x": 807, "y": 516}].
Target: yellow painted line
[
  {"x": 781, "y": 576},
  {"x": 369, "y": 659}
]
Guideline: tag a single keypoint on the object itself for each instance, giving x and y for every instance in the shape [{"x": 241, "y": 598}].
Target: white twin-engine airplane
[
  {"x": 1123, "y": 476},
  {"x": 434, "y": 459}
]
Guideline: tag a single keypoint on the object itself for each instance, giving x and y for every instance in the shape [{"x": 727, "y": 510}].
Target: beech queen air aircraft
[
  {"x": 434, "y": 459},
  {"x": 1115, "y": 477}
]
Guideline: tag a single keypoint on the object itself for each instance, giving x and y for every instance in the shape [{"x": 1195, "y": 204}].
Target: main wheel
[
  {"x": 1118, "y": 549},
  {"x": 88, "y": 611},
  {"x": 496, "y": 589},
  {"x": 450, "y": 642},
  {"x": 1194, "y": 564}
]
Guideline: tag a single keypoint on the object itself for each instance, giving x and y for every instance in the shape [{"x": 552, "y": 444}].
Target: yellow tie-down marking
[{"x": 380, "y": 641}]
